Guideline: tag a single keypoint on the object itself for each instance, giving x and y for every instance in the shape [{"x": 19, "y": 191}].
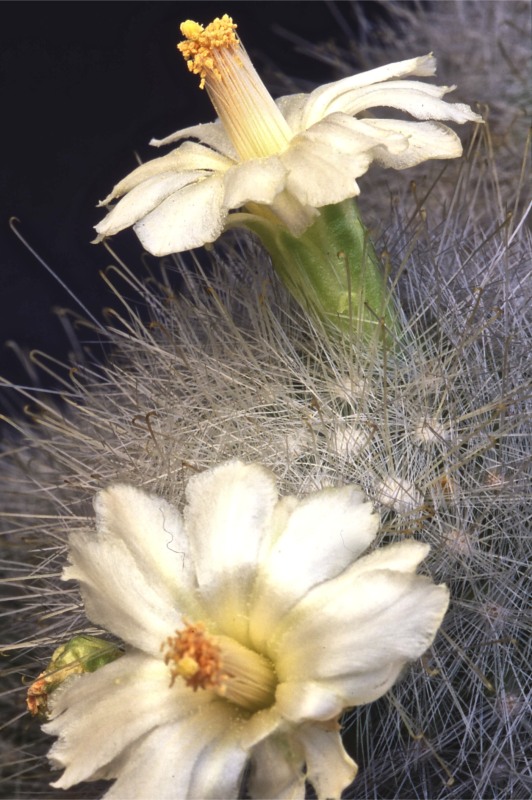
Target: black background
[{"x": 85, "y": 85}]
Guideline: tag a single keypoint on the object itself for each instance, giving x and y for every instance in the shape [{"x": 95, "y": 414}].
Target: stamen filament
[
  {"x": 247, "y": 110},
  {"x": 219, "y": 663}
]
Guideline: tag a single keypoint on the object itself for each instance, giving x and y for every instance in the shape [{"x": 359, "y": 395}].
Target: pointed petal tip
[
  {"x": 106, "y": 200},
  {"x": 427, "y": 63}
]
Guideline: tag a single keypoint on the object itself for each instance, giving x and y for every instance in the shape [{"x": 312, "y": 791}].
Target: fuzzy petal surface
[
  {"x": 186, "y": 219},
  {"x": 97, "y": 716},
  {"x": 425, "y": 140},
  {"x": 196, "y": 758},
  {"x": 212, "y": 134},
  {"x": 387, "y": 618},
  {"x": 322, "y": 535},
  {"x": 302, "y": 111},
  {"x": 414, "y": 99},
  {"x": 119, "y": 595},
  {"x": 191, "y": 156},
  {"x": 153, "y": 531},
  {"x": 329, "y": 768},
  {"x": 258, "y": 181},
  {"x": 277, "y": 769},
  {"x": 228, "y": 514}
]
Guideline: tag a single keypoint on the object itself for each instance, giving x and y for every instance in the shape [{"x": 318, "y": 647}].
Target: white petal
[
  {"x": 339, "y": 146},
  {"x": 212, "y": 134},
  {"x": 299, "y": 701},
  {"x": 153, "y": 531},
  {"x": 259, "y": 181},
  {"x": 190, "y": 156},
  {"x": 292, "y": 108},
  {"x": 260, "y": 726},
  {"x": 319, "y": 177},
  {"x": 190, "y": 218},
  {"x": 229, "y": 511},
  {"x": 277, "y": 770},
  {"x": 304, "y": 111},
  {"x": 117, "y": 593},
  {"x": 425, "y": 140},
  {"x": 99, "y": 715},
  {"x": 198, "y": 757},
  {"x": 345, "y": 136},
  {"x": 329, "y": 769},
  {"x": 416, "y": 101},
  {"x": 295, "y": 216},
  {"x": 323, "y": 534},
  {"x": 367, "y": 97},
  {"x": 143, "y": 199},
  {"x": 326, "y": 699},
  {"x": 346, "y": 628}
]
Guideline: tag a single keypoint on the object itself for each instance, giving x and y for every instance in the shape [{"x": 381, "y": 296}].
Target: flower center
[
  {"x": 221, "y": 664},
  {"x": 248, "y": 112}
]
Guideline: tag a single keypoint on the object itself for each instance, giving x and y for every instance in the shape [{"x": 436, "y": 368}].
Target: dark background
[{"x": 85, "y": 85}]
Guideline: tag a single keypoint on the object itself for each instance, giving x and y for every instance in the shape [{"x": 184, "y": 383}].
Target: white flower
[
  {"x": 280, "y": 161},
  {"x": 250, "y": 624}
]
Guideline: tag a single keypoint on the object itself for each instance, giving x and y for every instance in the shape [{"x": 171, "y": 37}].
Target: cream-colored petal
[
  {"x": 329, "y": 769},
  {"x": 212, "y": 134},
  {"x": 295, "y": 216},
  {"x": 319, "y": 177},
  {"x": 324, "y": 533},
  {"x": 189, "y": 218},
  {"x": 191, "y": 156},
  {"x": 151, "y": 169},
  {"x": 197, "y": 757},
  {"x": 302, "y": 111},
  {"x": 292, "y": 108},
  {"x": 403, "y": 556},
  {"x": 344, "y": 136},
  {"x": 425, "y": 140},
  {"x": 229, "y": 511},
  {"x": 257, "y": 181},
  {"x": 357, "y": 624},
  {"x": 99, "y": 715},
  {"x": 153, "y": 531},
  {"x": 391, "y": 142},
  {"x": 118, "y": 594},
  {"x": 142, "y": 199},
  {"x": 327, "y": 698},
  {"x": 359, "y": 99},
  {"x": 339, "y": 146},
  {"x": 219, "y": 763},
  {"x": 298, "y": 701},
  {"x": 260, "y": 726},
  {"x": 416, "y": 101},
  {"x": 277, "y": 769}
]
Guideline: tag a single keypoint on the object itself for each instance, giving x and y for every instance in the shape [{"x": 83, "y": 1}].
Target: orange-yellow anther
[
  {"x": 37, "y": 697},
  {"x": 193, "y": 655},
  {"x": 201, "y": 43}
]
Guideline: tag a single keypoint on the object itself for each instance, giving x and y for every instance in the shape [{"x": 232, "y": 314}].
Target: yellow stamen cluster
[
  {"x": 201, "y": 43},
  {"x": 193, "y": 656},
  {"x": 221, "y": 664}
]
